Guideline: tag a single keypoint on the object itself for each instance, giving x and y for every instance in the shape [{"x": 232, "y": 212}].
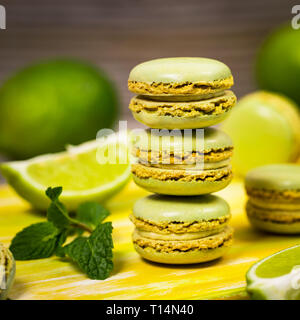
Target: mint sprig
[
  {"x": 59, "y": 216},
  {"x": 93, "y": 254}
]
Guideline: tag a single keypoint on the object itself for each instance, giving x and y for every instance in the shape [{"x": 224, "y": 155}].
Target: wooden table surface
[{"x": 133, "y": 277}]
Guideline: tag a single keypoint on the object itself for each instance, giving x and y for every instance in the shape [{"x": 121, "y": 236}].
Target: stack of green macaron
[{"x": 182, "y": 223}]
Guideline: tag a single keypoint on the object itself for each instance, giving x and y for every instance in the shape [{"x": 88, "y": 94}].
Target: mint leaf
[
  {"x": 54, "y": 193},
  {"x": 94, "y": 254},
  {"x": 35, "y": 242},
  {"x": 60, "y": 251},
  {"x": 91, "y": 213},
  {"x": 57, "y": 213}
]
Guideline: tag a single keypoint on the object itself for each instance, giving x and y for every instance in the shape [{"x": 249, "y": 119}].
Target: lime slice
[
  {"x": 93, "y": 171},
  {"x": 276, "y": 277}
]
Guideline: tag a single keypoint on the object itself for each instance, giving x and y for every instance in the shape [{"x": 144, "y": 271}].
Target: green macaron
[
  {"x": 7, "y": 271},
  {"x": 274, "y": 198},
  {"x": 182, "y": 163},
  {"x": 181, "y": 93},
  {"x": 181, "y": 230}
]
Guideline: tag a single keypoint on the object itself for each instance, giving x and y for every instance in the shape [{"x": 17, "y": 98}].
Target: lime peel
[{"x": 282, "y": 287}]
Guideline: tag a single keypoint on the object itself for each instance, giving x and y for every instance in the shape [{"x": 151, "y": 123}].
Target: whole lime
[
  {"x": 48, "y": 105},
  {"x": 278, "y": 63},
  {"x": 265, "y": 129}
]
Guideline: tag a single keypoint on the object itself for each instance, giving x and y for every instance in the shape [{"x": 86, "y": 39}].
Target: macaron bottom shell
[
  {"x": 197, "y": 256},
  {"x": 182, "y": 188},
  {"x": 274, "y": 220},
  {"x": 275, "y": 227},
  {"x": 193, "y": 251},
  {"x": 172, "y": 122},
  {"x": 182, "y": 114}
]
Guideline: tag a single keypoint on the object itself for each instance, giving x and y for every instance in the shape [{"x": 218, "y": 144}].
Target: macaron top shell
[
  {"x": 183, "y": 141},
  {"x": 278, "y": 177},
  {"x": 182, "y": 69},
  {"x": 163, "y": 209}
]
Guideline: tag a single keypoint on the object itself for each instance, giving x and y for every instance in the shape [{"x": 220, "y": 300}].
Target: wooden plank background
[{"x": 117, "y": 34}]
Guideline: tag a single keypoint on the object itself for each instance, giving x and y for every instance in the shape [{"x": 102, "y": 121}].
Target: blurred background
[
  {"x": 43, "y": 108},
  {"x": 118, "y": 34}
]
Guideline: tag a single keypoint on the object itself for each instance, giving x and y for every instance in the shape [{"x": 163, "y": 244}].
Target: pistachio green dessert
[
  {"x": 274, "y": 198},
  {"x": 182, "y": 164},
  {"x": 7, "y": 271},
  {"x": 181, "y": 93},
  {"x": 181, "y": 230},
  {"x": 179, "y": 98}
]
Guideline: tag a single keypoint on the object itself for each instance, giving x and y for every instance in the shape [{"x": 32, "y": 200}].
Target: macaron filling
[
  {"x": 180, "y": 227},
  {"x": 213, "y": 106},
  {"x": 276, "y": 204},
  {"x": 148, "y": 172},
  {"x": 169, "y": 246},
  {"x": 183, "y": 97},
  {"x": 177, "y": 236},
  {"x": 287, "y": 195},
  {"x": 194, "y": 167},
  {"x": 181, "y": 157},
  {"x": 180, "y": 88},
  {"x": 280, "y": 216}
]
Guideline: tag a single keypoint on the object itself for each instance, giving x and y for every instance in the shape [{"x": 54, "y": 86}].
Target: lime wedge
[
  {"x": 93, "y": 171},
  {"x": 276, "y": 277}
]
